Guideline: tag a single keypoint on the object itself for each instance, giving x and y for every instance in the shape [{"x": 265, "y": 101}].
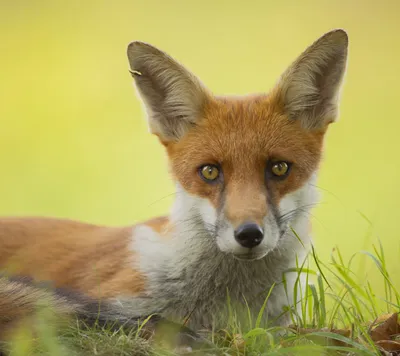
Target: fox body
[{"x": 245, "y": 170}]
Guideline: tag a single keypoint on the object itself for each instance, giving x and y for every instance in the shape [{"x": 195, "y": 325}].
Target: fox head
[{"x": 244, "y": 166}]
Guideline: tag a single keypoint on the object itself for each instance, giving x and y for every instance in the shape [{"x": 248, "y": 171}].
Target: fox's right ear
[{"x": 174, "y": 97}]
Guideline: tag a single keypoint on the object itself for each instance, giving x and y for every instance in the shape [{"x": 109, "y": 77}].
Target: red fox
[{"x": 245, "y": 170}]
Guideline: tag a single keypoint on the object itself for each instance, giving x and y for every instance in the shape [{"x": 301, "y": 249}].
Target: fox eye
[
  {"x": 209, "y": 172},
  {"x": 279, "y": 169}
]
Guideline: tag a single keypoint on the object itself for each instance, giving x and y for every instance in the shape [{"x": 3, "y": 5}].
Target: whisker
[
  {"x": 162, "y": 198},
  {"x": 299, "y": 208},
  {"x": 296, "y": 212}
]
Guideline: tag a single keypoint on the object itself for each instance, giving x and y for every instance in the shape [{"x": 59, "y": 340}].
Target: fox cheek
[{"x": 208, "y": 212}]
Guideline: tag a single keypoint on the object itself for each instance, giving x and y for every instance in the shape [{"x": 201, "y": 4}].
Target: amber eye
[
  {"x": 280, "y": 169},
  {"x": 209, "y": 172}
]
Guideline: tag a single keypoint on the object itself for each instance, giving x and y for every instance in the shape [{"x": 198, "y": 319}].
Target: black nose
[{"x": 249, "y": 235}]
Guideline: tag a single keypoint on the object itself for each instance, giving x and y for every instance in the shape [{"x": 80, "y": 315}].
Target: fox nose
[{"x": 249, "y": 235}]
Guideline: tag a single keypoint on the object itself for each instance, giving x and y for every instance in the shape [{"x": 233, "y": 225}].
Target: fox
[{"x": 245, "y": 169}]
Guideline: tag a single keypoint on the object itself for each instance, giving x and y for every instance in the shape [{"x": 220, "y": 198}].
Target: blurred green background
[{"x": 74, "y": 143}]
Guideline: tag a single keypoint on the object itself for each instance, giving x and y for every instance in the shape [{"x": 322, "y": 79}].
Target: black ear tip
[
  {"x": 339, "y": 32},
  {"x": 135, "y": 45},
  {"x": 338, "y": 36},
  {"x": 134, "y": 50}
]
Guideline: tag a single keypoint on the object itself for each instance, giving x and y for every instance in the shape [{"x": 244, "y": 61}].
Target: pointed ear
[
  {"x": 174, "y": 98},
  {"x": 309, "y": 89}
]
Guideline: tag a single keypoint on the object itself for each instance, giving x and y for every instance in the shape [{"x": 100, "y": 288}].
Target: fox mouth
[{"x": 250, "y": 256}]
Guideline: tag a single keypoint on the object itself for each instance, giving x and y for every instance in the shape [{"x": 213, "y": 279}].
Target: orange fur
[
  {"x": 92, "y": 259},
  {"x": 159, "y": 224}
]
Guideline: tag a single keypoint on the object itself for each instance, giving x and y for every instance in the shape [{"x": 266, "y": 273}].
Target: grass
[{"x": 334, "y": 299}]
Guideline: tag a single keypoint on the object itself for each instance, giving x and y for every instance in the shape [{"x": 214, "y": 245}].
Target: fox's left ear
[{"x": 309, "y": 89}]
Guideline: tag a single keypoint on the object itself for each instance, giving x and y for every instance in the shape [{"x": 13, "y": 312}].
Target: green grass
[{"x": 334, "y": 299}]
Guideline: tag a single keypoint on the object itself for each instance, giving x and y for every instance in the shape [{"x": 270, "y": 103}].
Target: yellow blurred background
[{"x": 74, "y": 143}]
